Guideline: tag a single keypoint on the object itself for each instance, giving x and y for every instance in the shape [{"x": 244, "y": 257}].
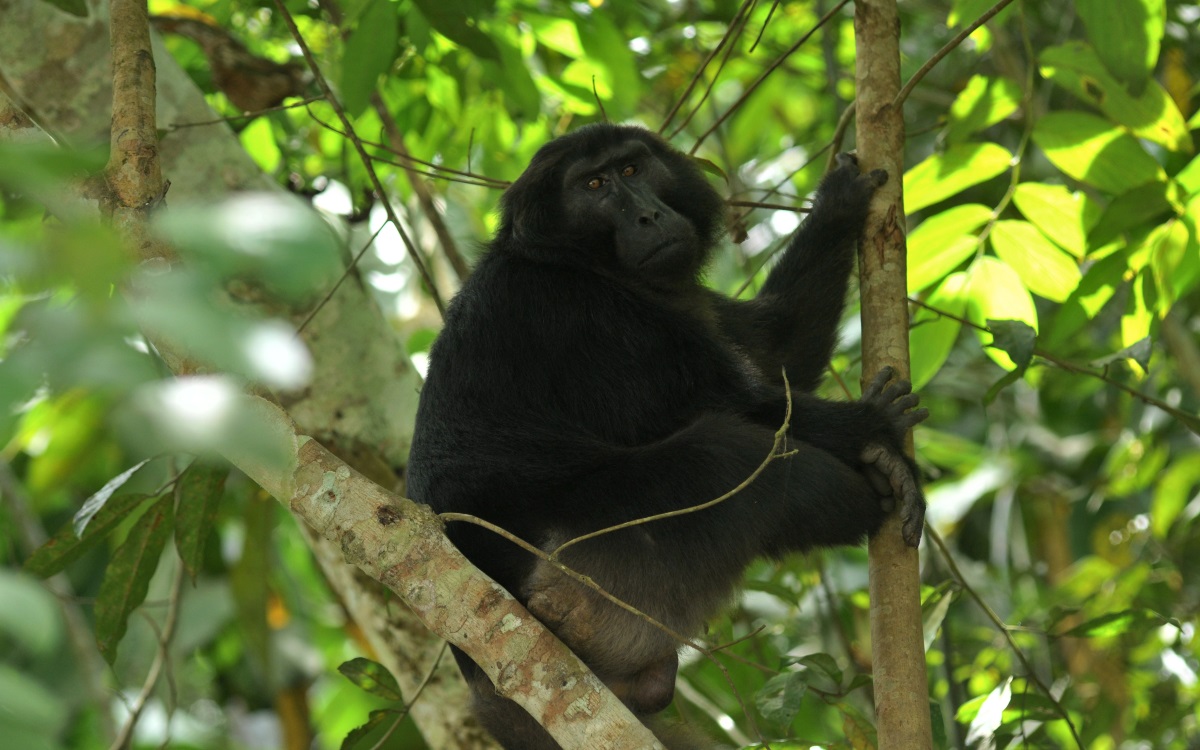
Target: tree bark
[{"x": 897, "y": 644}]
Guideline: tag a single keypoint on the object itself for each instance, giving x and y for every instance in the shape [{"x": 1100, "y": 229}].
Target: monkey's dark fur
[{"x": 586, "y": 378}]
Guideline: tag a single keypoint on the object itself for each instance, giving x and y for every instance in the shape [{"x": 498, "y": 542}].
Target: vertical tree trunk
[{"x": 901, "y": 690}]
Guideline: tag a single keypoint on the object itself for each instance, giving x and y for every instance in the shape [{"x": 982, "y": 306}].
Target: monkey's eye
[
  {"x": 595, "y": 183},
  {"x": 629, "y": 171}
]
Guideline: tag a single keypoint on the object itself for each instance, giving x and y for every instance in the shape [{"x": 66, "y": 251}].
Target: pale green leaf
[
  {"x": 1044, "y": 269},
  {"x": 943, "y": 241},
  {"x": 947, "y": 174},
  {"x": 1176, "y": 488},
  {"x": 932, "y": 336},
  {"x": 1127, "y": 36},
  {"x": 1062, "y": 215},
  {"x": 1152, "y": 115},
  {"x": 1095, "y": 151},
  {"x": 995, "y": 291},
  {"x": 982, "y": 102}
]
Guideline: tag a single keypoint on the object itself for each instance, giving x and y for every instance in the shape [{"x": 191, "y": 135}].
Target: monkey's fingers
[{"x": 906, "y": 493}]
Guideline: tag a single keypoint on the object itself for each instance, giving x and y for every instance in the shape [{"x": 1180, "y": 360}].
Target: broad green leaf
[
  {"x": 947, "y": 174},
  {"x": 1151, "y": 115},
  {"x": 127, "y": 577},
  {"x": 1133, "y": 211},
  {"x": 1016, "y": 339},
  {"x": 1174, "y": 490},
  {"x": 458, "y": 21},
  {"x": 604, "y": 43},
  {"x": 942, "y": 242},
  {"x": 859, "y": 731},
  {"x": 258, "y": 138},
  {"x": 1064, "y": 216},
  {"x": 1096, "y": 288},
  {"x": 93, "y": 504},
  {"x": 932, "y": 336},
  {"x": 990, "y": 713},
  {"x": 65, "y": 547},
  {"x": 982, "y": 102},
  {"x": 779, "y": 700},
  {"x": 370, "y": 52},
  {"x": 559, "y": 34},
  {"x": 995, "y": 292},
  {"x": 363, "y": 736},
  {"x": 1139, "y": 313},
  {"x": 1045, "y": 269},
  {"x": 250, "y": 580},
  {"x": 1189, "y": 177},
  {"x": 372, "y": 677},
  {"x": 1127, "y": 36},
  {"x": 1095, "y": 151},
  {"x": 1175, "y": 270},
  {"x": 199, "y": 491}
]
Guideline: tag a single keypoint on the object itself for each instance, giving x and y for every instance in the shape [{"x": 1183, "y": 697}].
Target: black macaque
[{"x": 585, "y": 377}]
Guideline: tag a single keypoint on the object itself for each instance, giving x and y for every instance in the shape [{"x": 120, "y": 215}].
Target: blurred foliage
[{"x": 1054, "y": 201}]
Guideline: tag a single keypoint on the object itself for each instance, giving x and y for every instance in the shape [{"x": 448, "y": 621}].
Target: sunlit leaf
[
  {"x": 932, "y": 336},
  {"x": 127, "y": 577},
  {"x": 1151, "y": 115},
  {"x": 1139, "y": 312},
  {"x": 1130, "y": 212},
  {"x": 942, "y": 242},
  {"x": 949, "y": 173},
  {"x": 982, "y": 102},
  {"x": 1115, "y": 623},
  {"x": 1062, "y": 215},
  {"x": 995, "y": 292},
  {"x": 1174, "y": 490},
  {"x": 457, "y": 20},
  {"x": 1127, "y": 40},
  {"x": 1044, "y": 268},
  {"x": 1095, "y": 151},
  {"x": 363, "y": 736},
  {"x": 990, "y": 713}
]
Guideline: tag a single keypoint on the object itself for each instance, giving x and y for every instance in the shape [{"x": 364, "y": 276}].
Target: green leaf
[
  {"x": 1016, "y": 338},
  {"x": 1044, "y": 269},
  {"x": 372, "y": 677},
  {"x": 995, "y": 292},
  {"x": 1062, "y": 215},
  {"x": 1115, "y": 623},
  {"x": 93, "y": 504},
  {"x": 65, "y": 547},
  {"x": 457, "y": 20},
  {"x": 127, "y": 577},
  {"x": 1095, "y": 151},
  {"x": 370, "y": 52},
  {"x": 359, "y": 736},
  {"x": 1127, "y": 36},
  {"x": 947, "y": 174},
  {"x": 779, "y": 700},
  {"x": 822, "y": 668},
  {"x": 932, "y": 336},
  {"x": 1151, "y": 115},
  {"x": 1173, "y": 491},
  {"x": 982, "y": 102},
  {"x": 1189, "y": 177},
  {"x": 860, "y": 733},
  {"x": 942, "y": 242},
  {"x": 1175, "y": 270},
  {"x": 199, "y": 491},
  {"x": 1096, "y": 288},
  {"x": 1130, "y": 212}
]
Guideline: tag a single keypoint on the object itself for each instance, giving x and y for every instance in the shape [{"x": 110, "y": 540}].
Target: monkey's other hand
[{"x": 893, "y": 475}]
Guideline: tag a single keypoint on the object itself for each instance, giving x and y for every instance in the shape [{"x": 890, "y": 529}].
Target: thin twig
[
  {"x": 945, "y": 50},
  {"x": 245, "y": 116},
  {"x": 1004, "y": 629},
  {"x": 742, "y": 10},
  {"x": 380, "y": 193},
  {"x": 161, "y": 657},
  {"x": 337, "y": 284},
  {"x": 735, "y": 31},
  {"x": 763, "y": 76}
]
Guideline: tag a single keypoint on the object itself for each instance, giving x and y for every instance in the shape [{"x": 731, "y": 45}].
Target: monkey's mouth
[{"x": 658, "y": 252}]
